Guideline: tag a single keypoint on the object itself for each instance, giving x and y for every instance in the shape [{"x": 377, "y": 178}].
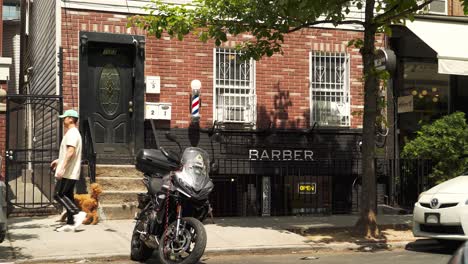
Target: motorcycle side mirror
[{"x": 173, "y": 138}]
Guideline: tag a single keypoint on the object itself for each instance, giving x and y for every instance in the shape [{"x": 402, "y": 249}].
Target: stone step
[
  {"x": 115, "y": 159},
  {"x": 117, "y": 171},
  {"x": 121, "y": 184},
  {"x": 115, "y": 211},
  {"x": 118, "y": 197}
]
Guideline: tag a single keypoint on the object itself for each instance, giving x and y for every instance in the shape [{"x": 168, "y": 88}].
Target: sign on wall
[
  {"x": 385, "y": 59},
  {"x": 153, "y": 84},
  {"x": 158, "y": 111},
  {"x": 307, "y": 188},
  {"x": 283, "y": 154},
  {"x": 405, "y": 104}
]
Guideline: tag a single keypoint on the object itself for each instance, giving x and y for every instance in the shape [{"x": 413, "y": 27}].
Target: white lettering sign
[{"x": 285, "y": 154}]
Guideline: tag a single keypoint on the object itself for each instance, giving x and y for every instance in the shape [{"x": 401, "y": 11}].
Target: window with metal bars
[
  {"x": 329, "y": 88},
  {"x": 234, "y": 87}
]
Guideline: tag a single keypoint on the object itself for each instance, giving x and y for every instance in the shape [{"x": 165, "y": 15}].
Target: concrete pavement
[{"x": 34, "y": 238}]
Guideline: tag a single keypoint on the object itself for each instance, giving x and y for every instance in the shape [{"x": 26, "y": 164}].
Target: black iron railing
[
  {"x": 253, "y": 188},
  {"x": 413, "y": 179},
  {"x": 89, "y": 150}
]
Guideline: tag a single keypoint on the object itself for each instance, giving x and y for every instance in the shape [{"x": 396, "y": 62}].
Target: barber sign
[{"x": 281, "y": 154}]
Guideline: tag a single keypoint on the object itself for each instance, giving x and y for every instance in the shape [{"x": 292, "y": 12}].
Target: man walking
[{"x": 67, "y": 170}]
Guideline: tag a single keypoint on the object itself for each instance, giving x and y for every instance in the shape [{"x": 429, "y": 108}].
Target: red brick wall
[
  {"x": 455, "y": 8},
  {"x": 281, "y": 81}
]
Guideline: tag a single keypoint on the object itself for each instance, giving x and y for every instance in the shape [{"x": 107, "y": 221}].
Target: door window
[{"x": 109, "y": 89}]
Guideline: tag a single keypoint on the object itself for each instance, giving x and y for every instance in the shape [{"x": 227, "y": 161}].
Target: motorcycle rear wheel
[
  {"x": 139, "y": 251},
  {"x": 188, "y": 247}
]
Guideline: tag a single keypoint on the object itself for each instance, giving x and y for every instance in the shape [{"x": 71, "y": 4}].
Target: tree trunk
[{"x": 367, "y": 223}]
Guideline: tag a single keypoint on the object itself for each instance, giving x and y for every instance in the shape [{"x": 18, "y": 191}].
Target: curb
[
  {"x": 256, "y": 250},
  {"x": 61, "y": 259},
  {"x": 364, "y": 246},
  {"x": 345, "y": 246},
  {"x": 306, "y": 230}
]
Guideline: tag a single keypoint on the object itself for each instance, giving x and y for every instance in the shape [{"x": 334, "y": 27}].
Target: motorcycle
[{"x": 174, "y": 206}]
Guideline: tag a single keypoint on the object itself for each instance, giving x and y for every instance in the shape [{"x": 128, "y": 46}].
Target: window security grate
[
  {"x": 234, "y": 81},
  {"x": 329, "y": 75}
]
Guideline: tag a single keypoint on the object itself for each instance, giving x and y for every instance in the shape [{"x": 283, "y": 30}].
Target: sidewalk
[{"x": 35, "y": 239}]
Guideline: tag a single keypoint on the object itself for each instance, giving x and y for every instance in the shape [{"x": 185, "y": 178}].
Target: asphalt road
[{"x": 415, "y": 253}]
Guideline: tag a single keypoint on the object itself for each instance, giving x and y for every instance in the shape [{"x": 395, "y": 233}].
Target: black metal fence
[
  {"x": 89, "y": 151},
  {"x": 33, "y": 133},
  {"x": 405, "y": 179},
  {"x": 254, "y": 188}
]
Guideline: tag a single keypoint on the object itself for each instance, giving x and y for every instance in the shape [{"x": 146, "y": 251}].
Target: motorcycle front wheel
[
  {"x": 139, "y": 251},
  {"x": 186, "y": 248}
]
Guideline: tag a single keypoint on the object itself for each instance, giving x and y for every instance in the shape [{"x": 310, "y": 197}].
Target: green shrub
[{"x": 445, "y": 142}]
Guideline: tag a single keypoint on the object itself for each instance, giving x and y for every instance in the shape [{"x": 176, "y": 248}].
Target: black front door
[{"x": 107, "y": 97}]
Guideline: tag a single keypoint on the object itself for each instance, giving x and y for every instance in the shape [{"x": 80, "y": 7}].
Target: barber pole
[
  {"x": 196, "y": 86},
  {"x": 195, "y": 107}
]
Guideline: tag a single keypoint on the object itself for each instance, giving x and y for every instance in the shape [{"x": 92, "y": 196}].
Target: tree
[
  {"x": 445, "y": 142},
  {"x": 269, "y": 21}
]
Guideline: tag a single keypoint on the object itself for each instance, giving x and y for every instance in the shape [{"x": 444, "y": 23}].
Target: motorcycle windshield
[{"x": 195, "y": 170}]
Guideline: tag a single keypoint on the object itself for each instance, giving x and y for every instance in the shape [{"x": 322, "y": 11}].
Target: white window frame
[
  {"x": 234, "y": 99},
  {"x": 337, "y": 94},
  {"x": 439, "y": 13}
]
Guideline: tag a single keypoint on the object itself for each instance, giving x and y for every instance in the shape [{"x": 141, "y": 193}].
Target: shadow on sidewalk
[
  {"x": 447, "y": 247},
  {"x": 342, "y": 235}
]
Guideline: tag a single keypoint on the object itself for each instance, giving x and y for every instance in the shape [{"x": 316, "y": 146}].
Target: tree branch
[
  {"x": 404, "y": 13},
  {"x": 358, "y": 22}
]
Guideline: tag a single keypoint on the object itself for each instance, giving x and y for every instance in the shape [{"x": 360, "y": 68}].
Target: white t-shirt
[{"x": 71, "y": 138}]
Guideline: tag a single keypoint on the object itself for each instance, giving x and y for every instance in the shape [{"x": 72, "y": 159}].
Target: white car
[{"x": 442, "y": 211}]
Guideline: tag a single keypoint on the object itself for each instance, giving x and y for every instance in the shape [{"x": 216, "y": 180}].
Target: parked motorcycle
[{"x": 175, "y": 205}]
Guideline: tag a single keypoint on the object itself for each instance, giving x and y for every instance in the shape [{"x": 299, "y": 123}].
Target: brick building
[{"x": 283, "y": 131}]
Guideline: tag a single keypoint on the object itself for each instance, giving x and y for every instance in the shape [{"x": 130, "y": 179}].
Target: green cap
[{"x": 70, "y": 113}]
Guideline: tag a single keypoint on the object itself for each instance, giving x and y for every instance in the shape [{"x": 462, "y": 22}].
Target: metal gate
[
  {"x": 272, "y": 188},
  {"x": 32, "y": 142}
]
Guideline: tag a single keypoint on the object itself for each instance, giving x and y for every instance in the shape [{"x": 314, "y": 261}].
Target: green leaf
[{"x": 442, "y": 141}]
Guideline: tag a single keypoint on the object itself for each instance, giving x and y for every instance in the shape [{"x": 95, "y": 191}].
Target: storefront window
[{"x": 430, "y": 92}]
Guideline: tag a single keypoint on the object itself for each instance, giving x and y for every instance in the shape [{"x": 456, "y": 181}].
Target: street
[{"x": 427, "y": 252}]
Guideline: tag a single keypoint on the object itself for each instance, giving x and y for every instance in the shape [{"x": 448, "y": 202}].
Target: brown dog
[{"x": 88, "y": 203}]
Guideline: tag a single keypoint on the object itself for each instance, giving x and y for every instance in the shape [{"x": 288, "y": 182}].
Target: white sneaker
[
  {"x": 66, "y": 228},
  {"x": 79, "y": 218}
]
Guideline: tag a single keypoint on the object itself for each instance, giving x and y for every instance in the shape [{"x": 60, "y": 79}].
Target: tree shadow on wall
[
  {"x": 335, "y": 144},
  {"x": 279, "y": 116}
]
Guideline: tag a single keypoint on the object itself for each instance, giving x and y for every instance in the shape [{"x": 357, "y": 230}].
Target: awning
[{"x": 448, "y": 39}]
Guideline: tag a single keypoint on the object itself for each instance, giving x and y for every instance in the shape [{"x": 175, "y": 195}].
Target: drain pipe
[{"x": 29, "y": 136}]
